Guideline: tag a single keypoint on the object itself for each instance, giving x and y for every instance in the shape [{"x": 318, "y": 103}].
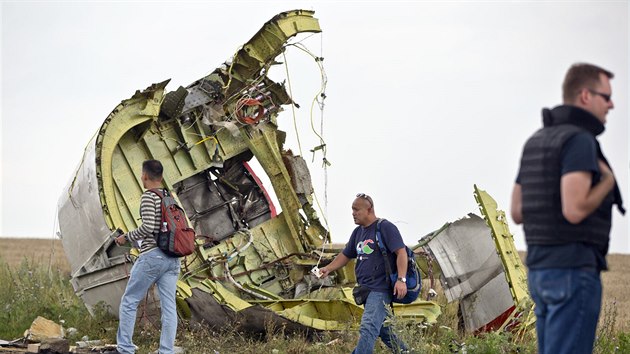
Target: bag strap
[
  {"x": 160, "y": 193},
  {"x": 388, "y": 266},
  {"x": 157, "y": 192}
]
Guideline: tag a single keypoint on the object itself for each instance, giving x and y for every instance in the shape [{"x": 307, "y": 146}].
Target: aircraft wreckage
[{"x": 252, "y": 264}]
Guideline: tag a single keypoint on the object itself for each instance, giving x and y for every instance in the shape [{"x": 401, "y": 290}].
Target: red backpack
[{"x": 176, "y": 238}]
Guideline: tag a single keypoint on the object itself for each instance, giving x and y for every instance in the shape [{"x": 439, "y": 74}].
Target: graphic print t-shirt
[{"x": 370, "y": 267}]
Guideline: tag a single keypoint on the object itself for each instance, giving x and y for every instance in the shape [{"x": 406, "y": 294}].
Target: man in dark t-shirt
[
  {"x": 370, "y": 272},
  {"x": 563, "y": 196}
]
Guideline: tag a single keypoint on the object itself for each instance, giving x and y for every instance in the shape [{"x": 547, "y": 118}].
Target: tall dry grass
[
  {"x": 44, "y": 252},
  {"x": 49, "y": 253},
  {"x": 617, "y": 289},
  {"x": 26, "y": 254}
]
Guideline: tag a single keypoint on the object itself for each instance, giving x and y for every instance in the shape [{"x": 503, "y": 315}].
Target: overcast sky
[{"x": 425, "y": 99}]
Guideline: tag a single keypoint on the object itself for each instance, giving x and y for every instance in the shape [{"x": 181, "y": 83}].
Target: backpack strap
[
  {"x": 158, "y": 192},
  {"x": 388, "y": 266},
  {"x": 379, "y": 240},
  {"x": 162, "y": 194}
]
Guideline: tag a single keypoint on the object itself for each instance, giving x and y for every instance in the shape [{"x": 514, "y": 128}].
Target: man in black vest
[{"x": 563, "y": 196}]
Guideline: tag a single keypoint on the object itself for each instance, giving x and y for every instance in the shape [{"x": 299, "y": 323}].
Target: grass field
[
  {"x": 46, "y": 252},
  {"x": 32, "y": 262}
]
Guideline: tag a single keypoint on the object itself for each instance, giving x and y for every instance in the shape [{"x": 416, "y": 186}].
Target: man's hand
[
  {"x": 323, "y": 272},
  {"x": 339, "y": 261},
  {"x": 121, "y": 240},
  {"x": 605, "y": 171},
  {"x": 400, "y": 289},
  {"x": 579, "y": 197}
]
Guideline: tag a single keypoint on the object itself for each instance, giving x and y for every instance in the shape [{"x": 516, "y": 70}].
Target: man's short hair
[
  {"x": 581, "y": 76},
  {"x": 153, "y": 169}
]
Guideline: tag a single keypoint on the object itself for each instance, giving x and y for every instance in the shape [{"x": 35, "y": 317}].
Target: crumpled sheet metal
[{"x": 472, "y": 271}]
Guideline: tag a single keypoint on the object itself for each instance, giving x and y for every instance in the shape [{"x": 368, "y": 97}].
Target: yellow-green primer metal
[
  {"x": 135, "y": 131},
  {"x": 516, "y": 275},
  {"x": 117, "y": 158}
]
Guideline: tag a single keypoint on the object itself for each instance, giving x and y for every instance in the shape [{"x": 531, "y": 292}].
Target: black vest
[{"x": 543, "y": 221}]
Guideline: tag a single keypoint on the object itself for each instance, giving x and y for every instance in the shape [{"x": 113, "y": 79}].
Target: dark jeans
[{"x": 568, "y": 303}]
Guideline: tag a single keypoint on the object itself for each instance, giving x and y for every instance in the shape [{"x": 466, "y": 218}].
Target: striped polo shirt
[{"x": 151, "y": 214}]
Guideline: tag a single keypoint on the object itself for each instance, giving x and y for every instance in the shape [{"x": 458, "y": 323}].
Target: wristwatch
[{"x": 404, "y": 280}]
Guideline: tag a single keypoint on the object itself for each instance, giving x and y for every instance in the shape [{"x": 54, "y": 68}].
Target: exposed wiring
[
  {"x": 230, "y": 70},
  {"x": 325, "y": 163},
  {"x": 297, "y": 134},
  {"x": 211, "y": 137},
  {"x": 224, "y": 258},
  {"x": 320, "y": 94},
  {"x": 248, "y": 87},
  {"x": 305, "y": 38},
  {"x": 210, "y": 263},
  {"x": 244, "y": 119},
  {"x": 228, "y": 275}
]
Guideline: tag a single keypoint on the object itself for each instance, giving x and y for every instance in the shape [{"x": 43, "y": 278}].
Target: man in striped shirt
[{"x": 151, "y": 267}]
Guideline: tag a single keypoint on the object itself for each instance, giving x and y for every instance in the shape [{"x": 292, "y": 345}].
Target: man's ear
[{"x": 584, "y": 97}]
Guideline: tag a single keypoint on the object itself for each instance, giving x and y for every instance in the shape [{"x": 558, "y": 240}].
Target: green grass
[{"x": 30, "y": 290}]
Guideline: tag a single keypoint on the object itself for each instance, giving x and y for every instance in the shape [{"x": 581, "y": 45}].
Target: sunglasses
[
  {"x": 366, "y": 197},
  {"x": 602, "y": 95}
]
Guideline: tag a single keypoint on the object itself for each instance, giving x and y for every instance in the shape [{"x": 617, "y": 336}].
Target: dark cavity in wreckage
[{"x": 252, "y": 265}]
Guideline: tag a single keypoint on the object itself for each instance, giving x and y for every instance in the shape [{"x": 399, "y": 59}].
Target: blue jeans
[
  {"x": 568, "y": 302},
  {"x": 375, "y": 311},
  {"x": 153, "y": 267}
]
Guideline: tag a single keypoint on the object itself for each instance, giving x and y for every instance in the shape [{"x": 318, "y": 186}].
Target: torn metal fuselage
[
  {"x": 252, "y": 263},
  {"x": 479, "y": 267}
]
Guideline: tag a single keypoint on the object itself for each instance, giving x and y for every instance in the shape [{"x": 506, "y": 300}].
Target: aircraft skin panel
[
  {"x": 127, "y": 185},
  {"x": 471, "y": 271},
  {"x": 267, "y": 44},
  {"x": 126, "y": 116},
  {"x": 478, "y": 311},
  {"x": 516, "y": 273},
  {"x": 82, "y": 226},
  {"x": 466, "y": 255},
  {"x": 251, "y": 263},
  {"x": 522, "y": 319}
]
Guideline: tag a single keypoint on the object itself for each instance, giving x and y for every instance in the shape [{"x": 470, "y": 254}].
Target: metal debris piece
[{"x": 252, "y": 264}]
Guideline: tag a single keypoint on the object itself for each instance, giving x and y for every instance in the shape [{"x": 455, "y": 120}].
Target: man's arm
[
  {"x": 400, "y": 288},
  {"x": 579, "y": 200},
  {"x": 150, "y": 223},
  {"x": 517, "y": 203},
  {"x": 339, "y": 261}
]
